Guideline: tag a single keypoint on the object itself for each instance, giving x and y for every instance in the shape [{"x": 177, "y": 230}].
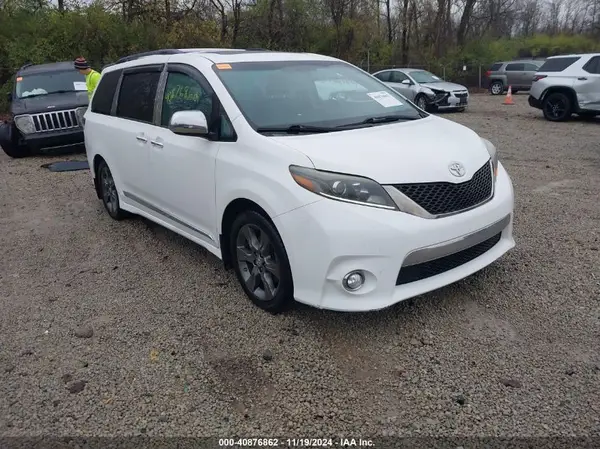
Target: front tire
[
  {"x": 557, "y": 107},
  {"x": 260, "y": 262},
  {"x": 496, "y": 88},
  {"x": 421, "y": 102},
  {"x": 15, "y": 151},
  {"x": 109, "y": 192}
]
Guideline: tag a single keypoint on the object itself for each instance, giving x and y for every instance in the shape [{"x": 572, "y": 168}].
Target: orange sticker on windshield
[
  {"x": 19, "y": 78},
  {"x": 223, "y": 66}
]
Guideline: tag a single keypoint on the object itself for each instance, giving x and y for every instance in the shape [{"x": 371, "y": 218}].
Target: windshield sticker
[
  {"x": 384, "y": 99},
  {"x": 223, "y": 66},
  {"x": 19, "y": 79},
  {"x": 79, "y": 85}
]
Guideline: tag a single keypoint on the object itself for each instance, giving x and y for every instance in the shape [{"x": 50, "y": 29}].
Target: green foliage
[{"x": 35, "y": 31}]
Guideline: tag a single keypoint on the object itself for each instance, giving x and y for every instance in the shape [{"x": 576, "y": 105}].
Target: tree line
[{"x": 375, "y": 32}]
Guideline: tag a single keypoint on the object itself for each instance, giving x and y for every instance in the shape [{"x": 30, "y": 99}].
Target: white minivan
[{"x": 311, "y": 178}]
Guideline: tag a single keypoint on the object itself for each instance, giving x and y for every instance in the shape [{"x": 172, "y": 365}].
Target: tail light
[
  {"x": 488, "y": 73},
  {"x": 539, "y": 77}
]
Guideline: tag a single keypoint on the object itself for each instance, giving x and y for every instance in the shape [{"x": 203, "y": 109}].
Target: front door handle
[
  {"x": 582, "y": 78},
  {"x": 141, "y": 139},
  {"x": 156, "y": 143}
]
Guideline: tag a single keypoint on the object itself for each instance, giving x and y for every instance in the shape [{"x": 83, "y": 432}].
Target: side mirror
[
  {"x": 189, "y": 123},
  {"x": 406, "y": 82},
  {"x": 9, "y": 97}
]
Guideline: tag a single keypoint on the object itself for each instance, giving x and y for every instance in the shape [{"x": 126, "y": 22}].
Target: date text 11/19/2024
[{"x": 295, "y": 442}]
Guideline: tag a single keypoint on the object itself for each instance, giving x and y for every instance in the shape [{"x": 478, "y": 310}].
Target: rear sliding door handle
[
  {"x": 141, "y": 138},
  {"x": 582, "y": 78},
  {"x": 156, "y": 143}
]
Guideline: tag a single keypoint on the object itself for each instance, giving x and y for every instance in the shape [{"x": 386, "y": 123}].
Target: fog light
[{"x": 353, "y": 281}]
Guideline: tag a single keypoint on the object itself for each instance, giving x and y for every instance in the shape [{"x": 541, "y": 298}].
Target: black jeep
[{"x": 46, "y": 109}]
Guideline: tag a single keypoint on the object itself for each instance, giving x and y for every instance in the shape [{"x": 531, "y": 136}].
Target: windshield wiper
[
  {"x": 48, "y": 93},
  {"x": 382, "y": 119},
  {"x": 296, "y": 129}
]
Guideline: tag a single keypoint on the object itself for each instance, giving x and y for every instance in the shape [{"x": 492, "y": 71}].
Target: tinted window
[
  {"x": 183, "y": 93},
  {"x": 136, "y": 98},
  {"x": 398, "y": 77},
  {"x": 515, "y": 67},
  {"x": 531, "y": 67},
  {"x": 496, "y": 67},
  {"x": 321, "y": 93},
  {"x": 423, "y": 76},
  {"x": 558, "y": 64},
  {"x": 105, "y": 92},
  {"x": 48, "y": 83},
  {"x": 593, "y": 65},
  {"x": 385, "y": 76}
]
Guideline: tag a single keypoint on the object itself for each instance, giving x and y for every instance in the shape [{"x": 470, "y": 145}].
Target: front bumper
[
  {"x": 328, "y": 239},
  {"x": 449, "y": 100},
  {"x": 54, "y": 139}
]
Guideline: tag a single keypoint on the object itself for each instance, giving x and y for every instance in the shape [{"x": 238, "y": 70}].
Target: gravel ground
[{"x": 124, "y": 328}]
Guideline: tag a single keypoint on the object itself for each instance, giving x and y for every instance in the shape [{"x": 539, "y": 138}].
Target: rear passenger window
[
  {"x": 385, "y": 76},
  {"x": 515, "y": 67},
  {"x": 183, "y": 93},
  {"x": 558, "y": 64},
  {"x": 136, "y": 98},
  {"x": 496, "y": 67},
  {"x": 593, "y": 65},
  {"x": 105, "y": 92},
  {"x": 531, "y": 68}
]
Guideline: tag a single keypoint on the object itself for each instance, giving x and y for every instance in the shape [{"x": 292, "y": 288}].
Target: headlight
[
  {"x": 493, "y": 154},
  {"x": 79, "y": 113},
  {"x": 25, "y": 124},
  {"x": 350, "y": 189}
]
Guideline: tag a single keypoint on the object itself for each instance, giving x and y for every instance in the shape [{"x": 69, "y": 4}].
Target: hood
[
  {"x": 445, "y": 86},
  {"x": 406, "y": 152},
  {"x": 33, "y": 105}
]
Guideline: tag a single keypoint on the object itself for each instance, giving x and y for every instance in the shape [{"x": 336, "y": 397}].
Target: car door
[
  {"x": 135, "y": 112},
  {"x": 182, "y": 168},
  {"x": 529, "y": 73},
  {"x": 587, "y": 84},
  {"x": 515, "y": 75},
  {"x": 396, "y": 79}
]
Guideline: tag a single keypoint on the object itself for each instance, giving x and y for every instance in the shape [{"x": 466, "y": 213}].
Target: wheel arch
[
  {"x": 232, "y": 210},
  {"x": 569, "y": 91}
]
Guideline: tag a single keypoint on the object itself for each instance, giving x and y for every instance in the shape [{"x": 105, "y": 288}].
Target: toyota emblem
[{"x": 457, "y": 169}]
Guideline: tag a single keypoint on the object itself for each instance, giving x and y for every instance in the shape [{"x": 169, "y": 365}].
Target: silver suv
[
  {"x": 567, "y": 85},
  {"x": 517, "y": 74}
]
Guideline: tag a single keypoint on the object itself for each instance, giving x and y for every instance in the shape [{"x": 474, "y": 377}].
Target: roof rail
[
  {"x": 27, "y": 64},
  {"x": 168, "y": 51}
]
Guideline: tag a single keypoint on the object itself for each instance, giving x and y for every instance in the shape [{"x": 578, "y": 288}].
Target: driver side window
[
  {"x": 398, "y": 77},
  {"x": 183, "y": 93}
]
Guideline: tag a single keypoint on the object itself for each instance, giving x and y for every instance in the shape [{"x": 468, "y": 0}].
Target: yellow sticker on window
[
  {"x": 19, "y": 78},
  {"x": 223, "y": 66}
]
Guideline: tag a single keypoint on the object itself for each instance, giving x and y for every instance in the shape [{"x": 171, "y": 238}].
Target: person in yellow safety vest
[{"x": 91, "y": 76}]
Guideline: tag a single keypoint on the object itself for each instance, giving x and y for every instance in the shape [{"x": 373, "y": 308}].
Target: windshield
[
  {"x": 423, "y": 76},
  {"x": 48, "y": 83},
  {"x": 316, "y": 93}
]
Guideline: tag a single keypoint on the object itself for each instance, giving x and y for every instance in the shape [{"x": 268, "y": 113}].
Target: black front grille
[
  {"x": 460, "y": 94},
  {"x": 439, "y": 198},
  {"x": 425, "y": 270}
]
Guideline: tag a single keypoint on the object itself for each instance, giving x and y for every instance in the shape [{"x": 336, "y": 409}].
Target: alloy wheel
[
  {"x": 556, "y": 108},
  {"x": 109, "y": 190},
  {"x": 258, "y": 263},
  {"x": 421, "y": 103},
  {"x": 496, "y": 88}
]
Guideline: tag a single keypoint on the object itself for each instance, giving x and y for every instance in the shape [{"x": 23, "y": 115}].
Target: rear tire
[
  {"x": 557, "y": 107},
  {"x": 109, "y": 193},
  {"x": 260, "y": 262},
  {"x": 496, "y": 88}
]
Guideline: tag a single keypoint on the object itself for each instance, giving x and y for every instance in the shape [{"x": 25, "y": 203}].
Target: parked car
[
  {"x": 428, "y": 91},
  {"x": 517, "y": 74},
  {"x": 46, "y": 107},
  {"x": 342, "y": 198},
  {"x": 567, "y": 85}
]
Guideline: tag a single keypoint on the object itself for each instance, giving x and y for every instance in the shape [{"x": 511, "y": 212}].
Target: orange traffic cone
[{"x": 509, "y": 99}]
